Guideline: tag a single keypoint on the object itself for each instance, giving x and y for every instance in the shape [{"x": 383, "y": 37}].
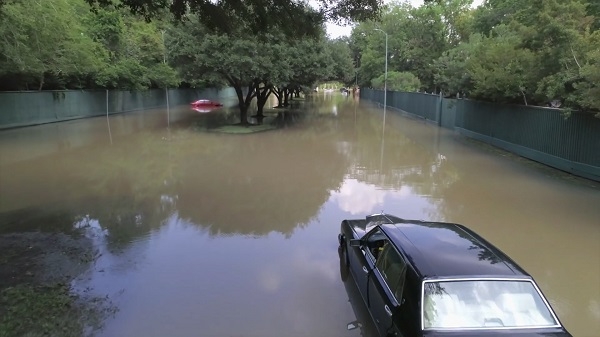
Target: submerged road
[{"x": 206, "y": 234}]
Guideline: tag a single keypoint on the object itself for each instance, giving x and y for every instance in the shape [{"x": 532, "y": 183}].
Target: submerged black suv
[{"x": 421, "y": 278}]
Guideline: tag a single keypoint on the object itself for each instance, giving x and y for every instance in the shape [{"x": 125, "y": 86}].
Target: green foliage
[
  {"x": 593, "y": 10},
  {"x": 494, "y": 12},
  {"x": 519, "y": 51},
  {"x": 43, "y": 39},
  {"x": 316, "y": 60},
  {"x": 31, "y": 309},
  {"x": 451, "y": 73},
  {"x": 291, "y": 17},
  {"x": 551, "y": 47},
  {"x": 43, "y": 311},
  {"x": 497, "y": 77},
  {"x": 416, "y": 38},
  {"x": 398, "y": 81},
  {"x": 340, "y": 64},
  {"x": 57, "y": 44},
  {"x": 137, "y": 52},
  {"x": 587, "y": 88},
  {"x": 267, "y": 63}
]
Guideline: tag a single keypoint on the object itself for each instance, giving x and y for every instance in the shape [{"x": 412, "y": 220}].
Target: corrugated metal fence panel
[
  {"x": 575, "y": 138},
  {"x": 39, "y": 107},
  {"x": 16, "y": 108},
  {"x": 423, "y": 105},
  {"x": 448, "y": 113}
]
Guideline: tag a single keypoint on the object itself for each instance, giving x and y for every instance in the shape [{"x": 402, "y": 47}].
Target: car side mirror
[{"x": 355, "y": 243}]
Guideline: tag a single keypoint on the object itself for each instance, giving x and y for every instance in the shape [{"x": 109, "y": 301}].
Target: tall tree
[
  {"x": 451, "y": 73},
  {"x": 137, "y": 51},
  {"x": 218, "y": 58},
  {"x": 497, "y": 77},
  {"x": 258, "y": 15},
  {"x": 44, "y": 41}
]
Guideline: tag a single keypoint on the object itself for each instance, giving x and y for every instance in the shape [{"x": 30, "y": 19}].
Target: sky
[{"x": 335, "y": 31}]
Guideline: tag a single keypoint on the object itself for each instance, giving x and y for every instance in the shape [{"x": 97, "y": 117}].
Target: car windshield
[{"x": 484, "y": 304}]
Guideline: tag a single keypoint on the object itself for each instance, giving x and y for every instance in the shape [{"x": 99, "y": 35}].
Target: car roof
[{"x": 443, "y": 250}]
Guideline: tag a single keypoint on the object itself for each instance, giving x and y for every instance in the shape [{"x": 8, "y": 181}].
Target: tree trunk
[
  {"x": 260, "y": 104},
  {"x": 278, "y": 98},
  {"x": 261, "y": 99},
  {"x": 243, "y": 114},
  {"x": 286, "y": 103},
  {"x": 524, "y": 97},
  {"x": 279, "y": 94},
  {"x": 41, "y": 82},
  {"x": 241, "y": 104}
]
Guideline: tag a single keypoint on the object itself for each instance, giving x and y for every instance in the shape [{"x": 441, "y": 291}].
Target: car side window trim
[
  {"x": 396, "y": 289},
  {"x": 367, "y": 249}
]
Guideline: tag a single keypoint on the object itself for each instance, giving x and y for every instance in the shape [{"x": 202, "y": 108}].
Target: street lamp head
[{"x": 381, "y": 30}]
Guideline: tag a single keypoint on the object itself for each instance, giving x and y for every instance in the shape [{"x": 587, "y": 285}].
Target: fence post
[
  {"x": 439, "y": 108},
  {"x": 108, "y": 120},
  {"x": 168, "y": 111}
]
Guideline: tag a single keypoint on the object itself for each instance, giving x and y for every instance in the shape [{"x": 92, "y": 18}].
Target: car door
[
  {"x": 363, "y": 258},
  {"x": 385, "y": 288}
]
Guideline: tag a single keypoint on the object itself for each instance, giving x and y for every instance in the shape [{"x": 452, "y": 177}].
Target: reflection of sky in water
[
  {"x": 197, "y": 284},
  {"x": 182, "y": 278},
  {"x": 359, "y": 199}
]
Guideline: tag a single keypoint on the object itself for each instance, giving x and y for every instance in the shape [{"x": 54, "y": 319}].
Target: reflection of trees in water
[
  {"x": 235, "y": 184},
  {"x": 434, "y": 288},
  {"x": 484, "y": 254},
  {"x": 266, "y": 182},
  {"x": 398, "y": 160},
  {"x": 474, "y": 244}
]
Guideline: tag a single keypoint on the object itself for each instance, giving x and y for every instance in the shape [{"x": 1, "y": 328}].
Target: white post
[
  {"x": 107, "y": 119},
  {"x": 168, "y": 110},
  {"x": 385, "y": 75},
  {"x": 164, "y": 48}
]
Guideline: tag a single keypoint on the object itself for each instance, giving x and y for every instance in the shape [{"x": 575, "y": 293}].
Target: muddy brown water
[{"x": 206, "y": 234}]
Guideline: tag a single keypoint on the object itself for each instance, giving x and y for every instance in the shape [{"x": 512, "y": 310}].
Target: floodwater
[{"x": 207, "y": 234}]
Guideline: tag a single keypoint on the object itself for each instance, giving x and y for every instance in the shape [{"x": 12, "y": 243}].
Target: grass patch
[
  {"x": 35, "y": 294},
  {"x": 267, "y": 124},
  {"x": 34, "y": 310},
  {"x": 240, "y": 129}
]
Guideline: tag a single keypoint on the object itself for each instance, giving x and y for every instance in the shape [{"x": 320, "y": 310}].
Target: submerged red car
[
  {"x": 204, "y": 109},
  {"x": 205, "y": 103}
]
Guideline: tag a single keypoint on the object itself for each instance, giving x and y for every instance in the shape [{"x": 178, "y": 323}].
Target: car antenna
[{"x": 385, "y": 216}]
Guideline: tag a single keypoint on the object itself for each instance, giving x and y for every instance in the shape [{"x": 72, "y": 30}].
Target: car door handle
[
  {"x": 387, "y": 310},
  {"x": 365, "y": 270}
]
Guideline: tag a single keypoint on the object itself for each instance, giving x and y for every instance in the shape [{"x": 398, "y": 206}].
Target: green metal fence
[
  {"x": 571, "y": 144},
  {"x": 39, "y": 107}
]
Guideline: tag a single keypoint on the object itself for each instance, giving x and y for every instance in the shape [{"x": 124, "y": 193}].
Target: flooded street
[{"x": 209, "y": 234}]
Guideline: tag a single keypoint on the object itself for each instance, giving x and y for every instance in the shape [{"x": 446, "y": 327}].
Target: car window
[
  {"x": 392, "y": 267},
  {"x": 374, "y": 242},
  {"x": 484, "y": 304}
]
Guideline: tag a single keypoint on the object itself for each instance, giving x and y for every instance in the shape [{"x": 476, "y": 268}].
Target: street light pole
[
  {"x": 385, "y": 75},
  {"x": 164, "y": 47}
]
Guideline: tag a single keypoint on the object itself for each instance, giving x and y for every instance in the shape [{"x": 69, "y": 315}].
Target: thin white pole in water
[
  {"x": 106, "y": 103},
  {"x": 107, "y": 119},
  {"x": 385, "y": 75},
  {"x": 168, "y": 109}
]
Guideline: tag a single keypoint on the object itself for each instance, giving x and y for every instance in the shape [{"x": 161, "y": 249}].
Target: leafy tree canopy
[
  {"x": 398, "y": 81},
  {"x": 416, "y": 38},
  {"x": 257, "y": 15}
]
